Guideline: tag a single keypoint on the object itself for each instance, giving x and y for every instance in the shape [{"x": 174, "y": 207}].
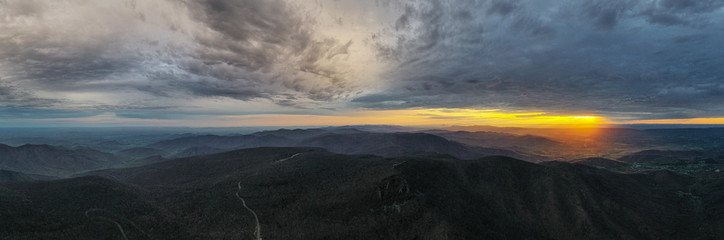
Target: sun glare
[{"x": 435, "y": 116}]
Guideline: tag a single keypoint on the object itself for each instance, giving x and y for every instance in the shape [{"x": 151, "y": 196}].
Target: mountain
[
  {"x": 178, "y": 145},
  {"x": 139, "y": 161},
  {"x": 139, "y": 152},
  {"x": 53, "y": 160},
  {"x": 197, "y": 151},
  {"x": 376, "y": 128},
  {"x": 13, "y": 176},
  {"x": 296, "y": 134},
  {"x": 63, "y": 161},
  {"x": 667, "y": 157},
  {"x": 401, "y": 144},
  {"x": 308, "y": 193},
  {"x": 562, "y": 134},
  {"x": 497, "y": 140},
  {"x": 17, "y": 141},
  {"x": 339, "y": 140},
  {"x": 604, "y": 163},
  {"x": 81, "y": 208},
  {"x": 95, "y": 143},
  {"x": 701, "y": 137}
]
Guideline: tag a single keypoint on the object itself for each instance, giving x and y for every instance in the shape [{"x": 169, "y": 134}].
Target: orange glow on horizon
[
  {"x": 435, "y": 117},
  {"x": 421, "y": 117},
  {"x": 679, "y": 121}
]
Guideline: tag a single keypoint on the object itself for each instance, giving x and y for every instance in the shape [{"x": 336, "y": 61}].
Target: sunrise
[{"x": 349, "y": 119}]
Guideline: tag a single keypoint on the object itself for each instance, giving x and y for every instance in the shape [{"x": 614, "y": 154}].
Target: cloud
[
  {"x": 616, "y": 58},
  {"x": 243, "y": 50},
  {"x": 12, "y": 97},
  {"x": 620, "y": 58},
  {"x": 691, "y": 5},
  {"x": 265, "y": 48}
]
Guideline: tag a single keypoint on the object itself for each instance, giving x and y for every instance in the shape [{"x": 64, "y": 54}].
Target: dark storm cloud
[{"x": 618, "y": 58}]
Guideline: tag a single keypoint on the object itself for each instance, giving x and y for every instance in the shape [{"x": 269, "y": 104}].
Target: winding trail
[
  {"x": 256, "y": 219},
  {"x": 398, "y": 164},
  {"x": 118, "y": 224},
  {"x": 120, "y": 228},
  {"x": 284, "y": 159}
]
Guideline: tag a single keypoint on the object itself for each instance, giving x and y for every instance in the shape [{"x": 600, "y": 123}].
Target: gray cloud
[
  {"x": 243, "y": 50},
  {"x": 264, "y": 49},
  {"x": 604, "y": 57},
  {"x": 693, "y": 6},
  {"x": 681, "y": 12},
  {"x": 11, "y": 97},
  {"x": 620, "y": 58}
]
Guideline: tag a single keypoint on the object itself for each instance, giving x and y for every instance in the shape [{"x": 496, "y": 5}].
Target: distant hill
[
  {"x": 53, "y": 160},
  {"x": 497, "y": 140},
  {"x": 308, "y": 193},
  {"x": 603, "y": 163},
  {"x": 140, "y": 152},
  {"x": 197, "y": 151},
  {"x": 376, "y": 128},
  {"x": 64, "y": 161},
  {"x": 600, "y": 135},
  {"x": 13, "y": 176},
  {"x": 81, "y": 208},
  {"x": 296, "y": 134},
  {"x": 401, "y": 144},
  {"x": 339, "y": 140},
  {"x": 140, "y": 161},
  {"x": 702, "y": 137},
  {"x": 659, "y": 156},
  {"x": 222, "y": 142},
  {"x": 99, "y": 144}
]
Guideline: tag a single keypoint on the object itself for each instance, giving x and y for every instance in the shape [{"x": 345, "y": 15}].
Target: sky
[{"x": 341, "y": 62}]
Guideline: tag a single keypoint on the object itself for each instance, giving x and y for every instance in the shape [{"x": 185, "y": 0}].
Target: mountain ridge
[{"x": 311, "y": 193}]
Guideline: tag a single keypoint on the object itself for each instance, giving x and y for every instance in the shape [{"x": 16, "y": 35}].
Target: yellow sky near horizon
[
  {"x": 409, "y": 117},
  {"x": 694, "y": 121},
  {"x": 422, "y": 117}
]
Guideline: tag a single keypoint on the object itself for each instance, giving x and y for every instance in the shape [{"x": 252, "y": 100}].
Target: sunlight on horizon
[
  {"x": 679, "y": 121},
  {"x": 411, "y": 117},
  {"x": 420, "y": 117},
  {"x": 432, "y": 117}
]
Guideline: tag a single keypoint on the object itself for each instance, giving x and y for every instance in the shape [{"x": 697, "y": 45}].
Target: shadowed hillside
[
  {"x": 81, "y": 208},
  {"x": 309, "y": 193},
  {"x": 53, "y": 160},
  {"x": 13, "y": 176},
  {"x": 339, "y": 140}
]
